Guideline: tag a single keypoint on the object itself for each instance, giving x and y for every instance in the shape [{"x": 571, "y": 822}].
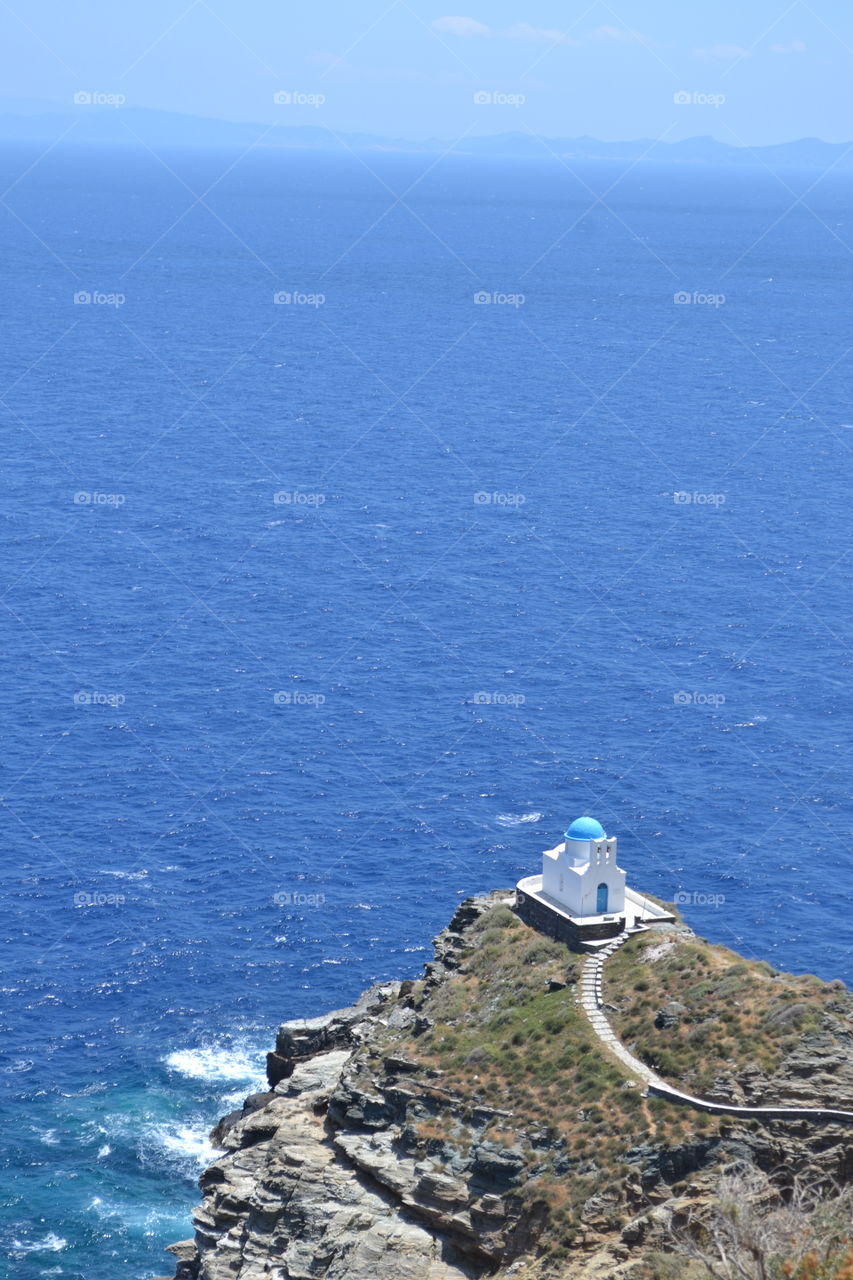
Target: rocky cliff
[{"x": 471, "y": 1124}]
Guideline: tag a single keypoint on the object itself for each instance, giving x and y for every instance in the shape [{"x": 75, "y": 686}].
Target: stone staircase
[{"x": 592, "y": 1001}]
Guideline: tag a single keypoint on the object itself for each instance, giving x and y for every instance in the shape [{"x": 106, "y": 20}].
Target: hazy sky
[{"x": 412, "y": 68}]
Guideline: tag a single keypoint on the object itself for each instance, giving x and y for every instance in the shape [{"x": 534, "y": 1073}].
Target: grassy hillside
[
  {"x": 505, "y": 1031},
  {"x": 694, "y": 1011}
]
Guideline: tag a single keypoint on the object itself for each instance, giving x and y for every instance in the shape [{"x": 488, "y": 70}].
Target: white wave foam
[
  {"x": 185, "y": 1143},
  {"x": 124, "y": 875},
  {"x": 215, "y": 1062},
  {"x": 52, "y": 1243},
  {"x": 137, "y": 1219},
  {"x": 235, "y": 1099},
  {"x": 516, "y": 819}
]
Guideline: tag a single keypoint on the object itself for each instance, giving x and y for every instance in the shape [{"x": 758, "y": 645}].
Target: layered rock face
[
  {"x": 294, "y": 1197},
  {"x": 352, "y": 1167}
]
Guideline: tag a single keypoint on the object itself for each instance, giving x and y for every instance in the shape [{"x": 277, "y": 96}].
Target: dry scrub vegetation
[{"x": 724, "y": 1013}]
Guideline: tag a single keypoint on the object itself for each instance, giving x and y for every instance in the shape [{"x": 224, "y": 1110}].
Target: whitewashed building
[
  {"x": 581, "y": 873},
  {"x": 582, "y": 897}
]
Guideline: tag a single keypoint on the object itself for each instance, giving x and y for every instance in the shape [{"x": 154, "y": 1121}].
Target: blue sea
[{"x": 529, "y": 497}]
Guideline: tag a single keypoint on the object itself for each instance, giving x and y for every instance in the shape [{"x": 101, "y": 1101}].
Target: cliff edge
[{"x": 472, "y": 1124}]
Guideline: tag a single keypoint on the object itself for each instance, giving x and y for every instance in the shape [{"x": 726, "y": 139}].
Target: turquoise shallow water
[{"x": 256, "y": 749}]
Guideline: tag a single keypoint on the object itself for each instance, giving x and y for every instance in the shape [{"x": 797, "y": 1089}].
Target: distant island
[{"x": 118, "y": 124}]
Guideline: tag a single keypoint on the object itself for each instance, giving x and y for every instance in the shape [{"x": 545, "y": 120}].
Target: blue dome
[{"x": 585, "y": 829}]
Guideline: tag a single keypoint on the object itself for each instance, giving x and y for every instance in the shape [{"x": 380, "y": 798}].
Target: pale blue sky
[{"x": 412, "y": 68}]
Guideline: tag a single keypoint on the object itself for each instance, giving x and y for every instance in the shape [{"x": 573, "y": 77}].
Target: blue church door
[{"x": 601, "y": 900}]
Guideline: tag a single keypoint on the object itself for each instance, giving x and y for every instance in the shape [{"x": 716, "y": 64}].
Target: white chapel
[
  {"x": 581, "y": 897},
  {"x": 581, "y": 874}
]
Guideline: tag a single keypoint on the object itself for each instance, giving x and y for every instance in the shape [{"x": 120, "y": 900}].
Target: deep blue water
[{"x": 154, "y": 833}]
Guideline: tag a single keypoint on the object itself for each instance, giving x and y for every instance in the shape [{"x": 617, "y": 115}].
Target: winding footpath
[{"x": 592, "y": 1001}]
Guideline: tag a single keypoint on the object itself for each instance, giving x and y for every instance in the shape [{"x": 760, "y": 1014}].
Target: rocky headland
[{"x": 473, "y": 1124}]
